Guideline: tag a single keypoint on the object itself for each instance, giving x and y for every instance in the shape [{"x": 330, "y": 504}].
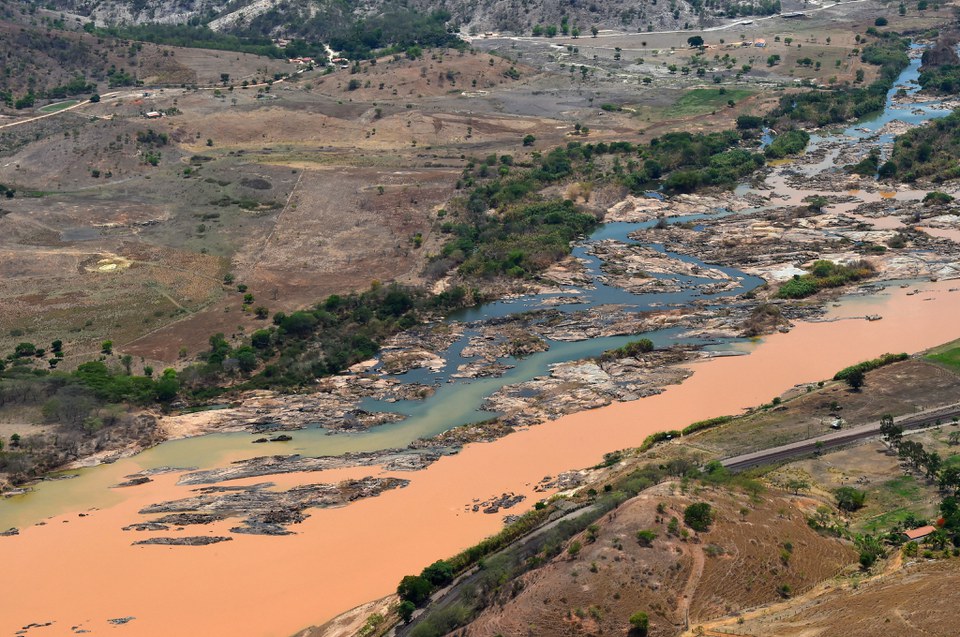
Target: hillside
[
  {"x": 326, "y": 19},
  {"x": 756, "y": 551}
]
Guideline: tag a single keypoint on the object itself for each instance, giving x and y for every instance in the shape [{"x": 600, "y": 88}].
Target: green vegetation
[
  {"x": 639, "y": 624},
  {"x": 190, "y": 35},
  {"x": 937, "y": 198},
  {"x": 699, "y": 101},
  {"x": 630, "y": 350},
  {"x": 943, "y": 79},
  {"x": 949, "y": 357},
  {"x": 527, "y": 234},
  {"x": 866, "y": 366},
  {"x": 698, "y": 516},
  {"x": 86, "y": 404},
  {"x": 849, "y": 498},
  {"x": 789, "y": 143},
  {"x": 660, "y": 436},
  {"x": 749, "y": 122},
  {"x": 824, "y": 274},
  {"x": 646, "y": 537},
  {"x": 523, "y": 240},
  {"x": 820, "y": 108},
  {"x": 701, "y": 425},
  {"x": 53, "y": 108},
  {"x": 322, "y": 340},
  {"x": 928, "y": 152}
]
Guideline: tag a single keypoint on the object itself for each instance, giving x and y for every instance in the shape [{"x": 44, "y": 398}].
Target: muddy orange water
[{"x": 81, "y": 571}]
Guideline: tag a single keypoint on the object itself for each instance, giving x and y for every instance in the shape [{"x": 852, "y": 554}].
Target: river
[{"x": 73, "y": 565}]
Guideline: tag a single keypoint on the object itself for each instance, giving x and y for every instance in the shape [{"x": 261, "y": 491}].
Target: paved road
[{"x": 838, "y": 438}]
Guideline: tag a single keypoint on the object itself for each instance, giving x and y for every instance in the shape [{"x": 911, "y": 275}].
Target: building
[
  {"x": 153, "y": 115},
  {"x": 760, "y": 43},
  {"x": 915, "y": 535}
]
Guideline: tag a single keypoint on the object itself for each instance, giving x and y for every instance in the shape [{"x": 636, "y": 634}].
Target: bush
[
  {"x": 850, "y": 499},
  {"x": 866, "y": 366},
  {"x": 788, "y": 143},
  {"x": 646, "y": 537},
  {"x": 639, "y": 624},
  {"x": 706, "y": 424},
  {"x": 698, "y": 516},
  {"x": 824, "y": 274}
]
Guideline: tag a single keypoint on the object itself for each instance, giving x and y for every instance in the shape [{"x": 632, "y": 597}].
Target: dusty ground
[
  {"x": 736, "y": 565},
  {"x": 919, "y": 599}
]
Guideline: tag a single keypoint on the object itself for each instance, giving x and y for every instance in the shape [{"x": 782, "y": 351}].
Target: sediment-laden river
[{"x": 73, "y": 564}]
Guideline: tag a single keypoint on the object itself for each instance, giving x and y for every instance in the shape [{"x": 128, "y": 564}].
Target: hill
[
  {"x": 325, "y": 19},
  {"x": 756, "y": 551}
]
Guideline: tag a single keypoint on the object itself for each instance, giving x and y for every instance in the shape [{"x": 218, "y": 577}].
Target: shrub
[
  {"x": 640, "y": 623},
  {"x": 849, "y": 498},
  {"x": 698, "y": 516},
  {"x": 646, "y": 537}
]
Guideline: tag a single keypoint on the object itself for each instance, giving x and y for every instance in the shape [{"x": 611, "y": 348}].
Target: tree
[
  {"x": 849, "y": 499},
  {"x": 950, "y": 480},
  {"x": 698, "y": 516},
  {"x": 261, "y": 339},
  {"x": 106, "y": 347},
  {"x": 855, "y": 379},
  {"x": 405, "y": 610},
  {"x": 880, "y": 22},
  {"x": 24, "y": 350},
  {"x": 414, "y": 589},
  {"x": 246, "y": 359},
  {"x": 594, "y": 30},
  {"x": 440, "y": 573},
  {"x": 639, "y": 624},
  {"x": 891, "y": 433},
  {"x": 695, "y": 41},
  {"x": 528, "y": 140},
  {"x": 574, "y": 549},
  {"x": 871, "y": 548},
  {"x": 95, "y": 98},
  {"x": 168, "y": 386},
  {"x": 816, "y": 203},
  {"x": 773, "y": 60}
]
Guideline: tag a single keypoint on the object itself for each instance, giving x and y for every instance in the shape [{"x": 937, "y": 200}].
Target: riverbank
[{"x": 366, "y": 534}]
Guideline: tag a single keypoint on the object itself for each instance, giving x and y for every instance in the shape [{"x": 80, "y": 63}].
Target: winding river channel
[{"x": 73, "y": 565}]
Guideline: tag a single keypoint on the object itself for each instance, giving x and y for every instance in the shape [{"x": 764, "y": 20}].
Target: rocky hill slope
[{"x": 324, "y": 18}]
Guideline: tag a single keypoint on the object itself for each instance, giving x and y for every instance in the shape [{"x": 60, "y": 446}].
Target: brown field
[{"x": 918, "y": 599}]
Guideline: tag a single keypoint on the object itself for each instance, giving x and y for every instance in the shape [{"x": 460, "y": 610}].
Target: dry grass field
[{"x": 736, "y": 565}]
